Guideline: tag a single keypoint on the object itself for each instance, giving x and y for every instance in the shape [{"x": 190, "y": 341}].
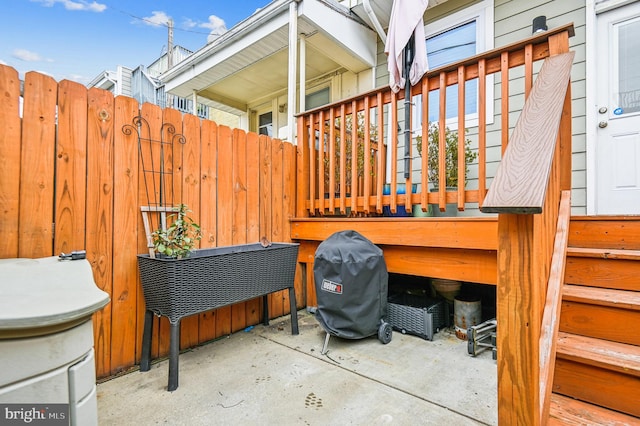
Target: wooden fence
[{"x": 71, "y": 179}]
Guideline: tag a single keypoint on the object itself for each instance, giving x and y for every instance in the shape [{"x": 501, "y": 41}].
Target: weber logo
[{"x": 331, "y": 287}]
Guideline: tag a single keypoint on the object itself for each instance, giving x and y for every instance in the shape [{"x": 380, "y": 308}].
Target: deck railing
[{"x": 349, "y": 150}]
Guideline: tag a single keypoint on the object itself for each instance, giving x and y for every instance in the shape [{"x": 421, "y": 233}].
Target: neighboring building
[
  {"x": 253, "y": 71},
  {"x": 143, "y": 84}
]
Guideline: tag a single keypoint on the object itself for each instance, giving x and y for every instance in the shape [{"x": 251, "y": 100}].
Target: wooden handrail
[
  {"x": 551, "y": 314},
  {"x": 521, "y": 180}
]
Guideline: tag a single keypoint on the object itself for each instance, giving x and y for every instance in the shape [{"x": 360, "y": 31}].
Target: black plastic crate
[{"x": 417, "y": 315}]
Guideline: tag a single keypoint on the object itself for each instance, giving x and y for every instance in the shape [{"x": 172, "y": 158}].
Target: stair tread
[
  {"x": 616, "y": 356},
  {"x": 569, "y": 411},
  {"x": 625, "y": 299},
  {"x": 604, "y": 253}
]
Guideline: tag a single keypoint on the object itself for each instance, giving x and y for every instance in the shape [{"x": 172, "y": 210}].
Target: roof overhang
[
  {"x": 250, "y": 61},
  {"x": 381, "y": 10}
]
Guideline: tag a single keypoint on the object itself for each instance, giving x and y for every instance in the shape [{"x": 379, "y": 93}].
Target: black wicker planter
[{"x": 210, "y": 279}]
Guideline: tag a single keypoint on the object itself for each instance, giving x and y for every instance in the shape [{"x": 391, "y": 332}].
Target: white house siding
[
  {"x": 125, "y": 76},
  {"x": 513, "y": 20}
]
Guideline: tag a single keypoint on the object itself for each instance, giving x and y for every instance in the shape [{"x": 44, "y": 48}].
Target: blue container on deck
[{"x": 401, "y": 211}]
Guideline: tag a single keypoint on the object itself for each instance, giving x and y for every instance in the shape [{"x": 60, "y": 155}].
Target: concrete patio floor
[{"x": 267, "y": 376}]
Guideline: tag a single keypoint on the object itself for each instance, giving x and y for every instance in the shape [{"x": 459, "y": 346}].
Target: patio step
[
  {"x": 617, "y": 357},
  {"x": 604, "y": 268},
  {"x": 607, "y": 314},
  {"x": 611, "y": 369},
  {"x": 571, "y": 412}
]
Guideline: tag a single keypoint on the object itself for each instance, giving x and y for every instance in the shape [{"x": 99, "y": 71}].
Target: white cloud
[
  {"x": 157, "y": 18},
  {"x": 217, "y": 27},
  {"x": 188, "y": 24},
  {"x": 75, "y": 5},
  {"x": 28, "y": 56}
]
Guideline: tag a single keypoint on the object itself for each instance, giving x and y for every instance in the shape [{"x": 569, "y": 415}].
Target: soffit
[{"x": 254, "y": 63}]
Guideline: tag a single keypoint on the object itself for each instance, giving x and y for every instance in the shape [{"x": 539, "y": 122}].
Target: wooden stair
[
  {"x": 568, "y": 411},
  {"x": 597, "y": 369}
]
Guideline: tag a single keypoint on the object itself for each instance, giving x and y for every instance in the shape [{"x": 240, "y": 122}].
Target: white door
[{"x": 618, "y": 91}]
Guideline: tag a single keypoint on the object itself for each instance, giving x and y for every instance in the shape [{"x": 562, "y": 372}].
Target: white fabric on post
[{"x": 406, "y": 18}]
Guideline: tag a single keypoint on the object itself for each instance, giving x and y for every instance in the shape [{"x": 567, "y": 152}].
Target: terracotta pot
[{"x": 448, "y": 289}]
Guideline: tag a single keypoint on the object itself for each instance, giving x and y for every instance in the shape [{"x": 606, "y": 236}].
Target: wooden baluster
[
  {"x": 482, "y": 131},
  {"x": 424, "y": 179},
  {"x": 442, "y": 144},
  {"x": 332, "y": 159},
  {"x": 504, "y": 102},
  {"x": 313, "y": 175},
  {"x": 343, "y": 159},
  {"x": 366, "y": 192},
  {"x": 462, "y": 138},
  {"x": 380, "y": 155},
  {"x": 355, "y": 191}
]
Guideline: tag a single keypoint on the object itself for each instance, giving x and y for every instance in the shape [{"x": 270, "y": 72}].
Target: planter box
[
  {"x": 417, "y": 315},
  {"x": 215, "y": 277},
  {"x": 210, "y": 279}
]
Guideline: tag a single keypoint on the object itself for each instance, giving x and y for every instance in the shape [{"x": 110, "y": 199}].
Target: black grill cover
[{"x": 351, "y": 283}]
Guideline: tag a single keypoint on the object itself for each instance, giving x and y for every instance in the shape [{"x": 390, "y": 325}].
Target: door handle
[{"x": 602, "y": 124}]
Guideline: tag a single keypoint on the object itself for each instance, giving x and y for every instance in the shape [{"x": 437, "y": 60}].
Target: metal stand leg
[
  {"x": 326, "y": 344},
  {"x": 481, "y": 336},
  {"x": 265, "y": 310},
  {"x": 145, "y": 359},
  {"x": 294, "y": 311},
  {"x": 174, "y": 351}
]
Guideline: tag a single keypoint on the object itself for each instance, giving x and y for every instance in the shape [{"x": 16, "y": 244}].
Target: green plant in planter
[
  {"x": 451, "y": 155},
  {"x": 180, "y": 237}
]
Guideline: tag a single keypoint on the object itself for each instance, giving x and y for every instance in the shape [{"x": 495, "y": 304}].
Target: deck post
[{"x": 521, "y": 282}]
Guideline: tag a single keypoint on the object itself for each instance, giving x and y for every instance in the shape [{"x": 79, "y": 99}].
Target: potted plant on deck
[{"x": 451, "y": 157}]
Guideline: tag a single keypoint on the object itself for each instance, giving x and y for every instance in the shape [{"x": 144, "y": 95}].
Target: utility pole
[{"x": 170, "y": 45}]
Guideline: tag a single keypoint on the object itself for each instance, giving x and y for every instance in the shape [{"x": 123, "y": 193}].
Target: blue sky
[{"x": 78, "y": 39}]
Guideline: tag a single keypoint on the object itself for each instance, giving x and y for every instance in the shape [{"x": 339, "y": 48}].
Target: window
[
  {"x": 265, "y": 124},
  {"x": 317, "y": 98},
  {"x": 445, "y": 48},
  {"x": 452, "y": 38}
]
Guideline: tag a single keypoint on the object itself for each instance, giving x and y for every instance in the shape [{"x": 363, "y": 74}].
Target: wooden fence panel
[
  {"x": 239, "y": 230},
  {"x": 10, "y": 132},
  {"x": 37, "y": 166},
  {"x": 225, "y": 211},
  {"x": 73, "y": 161},
  {"x": 277, "y": 228},
  {"x": 191, "y": 197},
  {"x": 71, "y": 168},
  {"x": 209, "y": 212},
  {"x": 125, "y": 341},
  {"x": 253, "y": 312}
]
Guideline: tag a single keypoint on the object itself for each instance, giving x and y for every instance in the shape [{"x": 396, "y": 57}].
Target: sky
[{"x": 78, "y": 39}]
